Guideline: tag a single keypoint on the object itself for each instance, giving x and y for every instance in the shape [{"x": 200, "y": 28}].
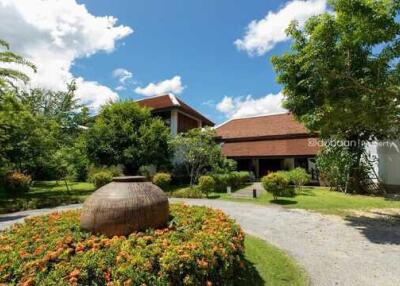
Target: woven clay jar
[{"x": 125, "y": 205}]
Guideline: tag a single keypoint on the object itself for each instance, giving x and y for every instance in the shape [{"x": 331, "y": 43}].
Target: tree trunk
[{"x": 355, "y": 182}]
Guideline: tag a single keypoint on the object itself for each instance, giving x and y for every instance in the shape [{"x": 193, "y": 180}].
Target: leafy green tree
[
  {"x": 9, "y": 76},
  {"x": 26, "y": 141},
  {"x": 197, "y": 151},
  {"x": 342, "y": 75},
  {"x": 124, "y": 133}
]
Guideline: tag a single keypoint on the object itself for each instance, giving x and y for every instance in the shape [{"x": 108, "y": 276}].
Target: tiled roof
[
  {"x": 270, "y": 148},
  {"x": 262, "y": 126},
  {"x": 157, "y": 102},
  {"x": 170, "y": 101}
]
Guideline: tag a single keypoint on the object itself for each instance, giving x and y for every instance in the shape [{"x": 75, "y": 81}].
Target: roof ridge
[
  {"x": 249, "y": 117},
  {"x": 262, "y": 115},
  {"x": 151, "y": 97}
]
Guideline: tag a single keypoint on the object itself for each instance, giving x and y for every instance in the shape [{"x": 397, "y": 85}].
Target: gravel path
[{"x": 358, "y": 251}]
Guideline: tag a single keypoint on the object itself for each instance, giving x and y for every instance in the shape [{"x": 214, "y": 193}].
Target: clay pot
[{"x": 125, "y": 205}]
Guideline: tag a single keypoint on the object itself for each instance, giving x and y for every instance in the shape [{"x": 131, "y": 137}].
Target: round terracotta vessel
[{"x": 125, "y": 205}]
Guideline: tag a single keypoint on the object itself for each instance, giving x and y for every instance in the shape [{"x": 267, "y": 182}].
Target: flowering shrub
[
  {"x": 16, "y": 182},
  {"x": 163, "y": 180},
  {"x": 200, "y": 246}
]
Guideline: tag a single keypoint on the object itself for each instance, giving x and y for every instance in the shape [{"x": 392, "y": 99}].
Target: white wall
[{"x": 388, "y": 161}]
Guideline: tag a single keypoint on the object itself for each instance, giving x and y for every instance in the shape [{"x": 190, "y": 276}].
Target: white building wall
[{"x": 387, "y": 165}]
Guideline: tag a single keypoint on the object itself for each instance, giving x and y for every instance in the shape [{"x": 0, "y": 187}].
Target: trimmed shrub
[
  {"x": 17, "y": 182},
  {"x": 192, "y": 193},
  {"x": 200, "y": 246},
  {"x": 101, "y": 178},
  {"x": 163, "y": 180},
  {"x": 299, "y": 177},
  {"x": 232, "y": 179},
  {"x": 114, "y": 170},
  {"x": 206, "y": 184},
  {"x": 276, "y": 184}
]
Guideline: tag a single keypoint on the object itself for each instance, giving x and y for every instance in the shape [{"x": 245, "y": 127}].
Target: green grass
[
  {"x": 46, "y": 194},
  {"x": 322, "y": 200},
  {"x": 267, "y": 265}
]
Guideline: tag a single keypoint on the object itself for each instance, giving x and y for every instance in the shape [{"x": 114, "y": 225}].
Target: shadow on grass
[
  {"x": 379, "y": 228},
  {"x": 249, "y": 276},
  {"x": 283, "y": 202}
]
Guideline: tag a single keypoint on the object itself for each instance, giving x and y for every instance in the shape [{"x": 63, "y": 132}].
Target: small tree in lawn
[
  {"x": 197, "y": 150},
  {"x": 299, "y": 177}
]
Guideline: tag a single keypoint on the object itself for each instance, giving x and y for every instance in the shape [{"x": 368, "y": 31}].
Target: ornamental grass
[{"x": 199, "y": 246}]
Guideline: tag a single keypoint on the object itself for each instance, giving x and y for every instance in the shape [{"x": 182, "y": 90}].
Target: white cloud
[
  {"x": 122, "y": 75},
  {"x": 236, "y": 107},
  {"x": 120, "y": 88},
  {"x": 262, "y": 36},
  {"x": 173, "y": 85},
  {"x": 89, "y": 92},
  {"x": 53, "y": 34}
]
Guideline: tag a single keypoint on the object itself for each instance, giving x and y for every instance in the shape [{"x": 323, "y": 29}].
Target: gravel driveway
[{"x": 356, "y": 251}]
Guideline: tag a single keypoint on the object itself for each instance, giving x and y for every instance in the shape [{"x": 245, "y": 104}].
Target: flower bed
[{"x": 200, "y": 246}]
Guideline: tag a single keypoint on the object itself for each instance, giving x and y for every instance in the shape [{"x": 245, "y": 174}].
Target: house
[
  {"x": 263, "y": 144},
  {"x": 178, "y": 115}
]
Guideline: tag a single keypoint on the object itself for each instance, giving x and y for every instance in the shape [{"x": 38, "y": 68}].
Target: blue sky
[
  {"x": 192, "y": 39},
  {"x": 202, "y": 50}
]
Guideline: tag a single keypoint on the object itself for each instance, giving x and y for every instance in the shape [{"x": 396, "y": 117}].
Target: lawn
[
  {"x": 46, "y": 194},
  {"x": 322, "y": 200},
  {"x": 270, "y": 266}
]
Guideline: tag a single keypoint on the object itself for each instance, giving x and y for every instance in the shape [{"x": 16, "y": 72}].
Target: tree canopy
[
  {"x": 342, "y": 75},
  {"x": 125, "y": 133},
  {"x": 197, "y": 150}
]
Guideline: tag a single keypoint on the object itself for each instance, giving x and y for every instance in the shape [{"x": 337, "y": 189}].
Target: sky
[{"x": 214, "y": 55}]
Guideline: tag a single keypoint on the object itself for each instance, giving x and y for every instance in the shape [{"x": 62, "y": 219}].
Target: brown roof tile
[
  {"x": 261, "y": 126},
  {"x": 269, "y": 148},
  {"x": 170, "y": 101}
]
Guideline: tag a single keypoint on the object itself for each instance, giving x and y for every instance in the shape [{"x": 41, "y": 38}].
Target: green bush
[
  {"x": 206, "y": 184},
  {"x": 101, "y": 178},
  {"x": 17, "y": 182},
  {"x": 299, "y": 177},
  {"x": 192, "y": 193},
  {"x": 232, "y": 179},
  {"x": 276, "y": 184},
  {"x": 163, "y": 180},
  {"x": 199, "y": 246},
  {"x": 115, "y": 171}
]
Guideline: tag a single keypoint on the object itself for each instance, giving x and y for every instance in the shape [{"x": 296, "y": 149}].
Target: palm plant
[{"x": 9, "y": 76}]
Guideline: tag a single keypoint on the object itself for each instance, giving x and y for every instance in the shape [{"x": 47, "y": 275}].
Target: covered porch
[{"x": 261, "y": 166}]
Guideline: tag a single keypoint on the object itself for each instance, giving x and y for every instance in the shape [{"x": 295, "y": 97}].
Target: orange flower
[{"x": 75, "y": 273}]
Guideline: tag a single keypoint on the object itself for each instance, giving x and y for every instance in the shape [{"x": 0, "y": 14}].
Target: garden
[{"x": 55, "y": 151}]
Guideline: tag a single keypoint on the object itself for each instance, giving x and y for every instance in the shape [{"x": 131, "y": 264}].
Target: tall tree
[
  {"x": 124, "y": 133},
  {"x": 9, "y": 75},
  {"x": 342, "y": 75}
]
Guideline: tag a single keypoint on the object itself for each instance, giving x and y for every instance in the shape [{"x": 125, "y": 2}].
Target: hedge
[
  {"x": 232, "y": 179},
  {"x": 199, "y": 246}
]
